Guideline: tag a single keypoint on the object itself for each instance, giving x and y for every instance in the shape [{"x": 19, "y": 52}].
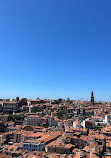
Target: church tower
[{"x": 92, "y": 98}]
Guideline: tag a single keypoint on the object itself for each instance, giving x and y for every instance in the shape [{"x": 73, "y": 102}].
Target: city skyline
[{"x": 63, "y": 98}]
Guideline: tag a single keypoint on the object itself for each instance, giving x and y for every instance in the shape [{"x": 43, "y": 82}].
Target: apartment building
[
  {"x": 9, "y": 106},
  {"x": 5, "y": 117},
  {"x": 1, "y": 136},
  {"x": 33, "y": 145},
  {"x": 39, "y": 143},
  {"x": 33, "y": 120},
  {"x": 59, "y": 147}
]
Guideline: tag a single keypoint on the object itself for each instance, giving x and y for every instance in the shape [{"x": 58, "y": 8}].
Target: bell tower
[{"x": 92, "y": 98}]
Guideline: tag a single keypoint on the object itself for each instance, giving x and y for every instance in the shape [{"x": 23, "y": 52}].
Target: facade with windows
[
  {"x": 33, "y": 120},
  {"x": 9, "y": 106},
  {"x": 33, "y": 146}
]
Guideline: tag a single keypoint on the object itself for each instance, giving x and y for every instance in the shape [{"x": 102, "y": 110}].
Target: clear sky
[{"x": 55, "y": 48}]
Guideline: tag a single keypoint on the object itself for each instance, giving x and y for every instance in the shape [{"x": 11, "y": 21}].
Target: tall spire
[{"x": 92, "y": 98}]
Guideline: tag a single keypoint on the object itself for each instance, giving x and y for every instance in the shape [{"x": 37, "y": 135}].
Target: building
[
  {"x": 33, "y": 145},
  {"x": 59, "y": 147},
  {"x": 76, "y": 124},
  {"x": 1, "y": 138},
  {"x": 10, "y": 106},
  {"x": 33, "y": 120},
  {"x": 32, "y": 102},
  {"x": 12, "y": 150},
  {"x": 5, "y": 117}
]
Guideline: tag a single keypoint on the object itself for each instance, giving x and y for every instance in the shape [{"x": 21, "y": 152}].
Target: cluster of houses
[{"x": 75, "y": 129}]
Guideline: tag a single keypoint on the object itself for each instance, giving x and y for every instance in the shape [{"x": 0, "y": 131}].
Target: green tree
[
  {"x": 60, "y": 100},
  {"x": 23, "y": 101},
  {"x": 17, "y": 99}
]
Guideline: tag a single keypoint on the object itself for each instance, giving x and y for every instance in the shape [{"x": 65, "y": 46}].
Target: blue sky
[{"x": 55, "y": 48}]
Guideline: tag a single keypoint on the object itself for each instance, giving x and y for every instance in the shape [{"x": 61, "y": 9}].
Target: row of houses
[{"x": 35, "y": 120}]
